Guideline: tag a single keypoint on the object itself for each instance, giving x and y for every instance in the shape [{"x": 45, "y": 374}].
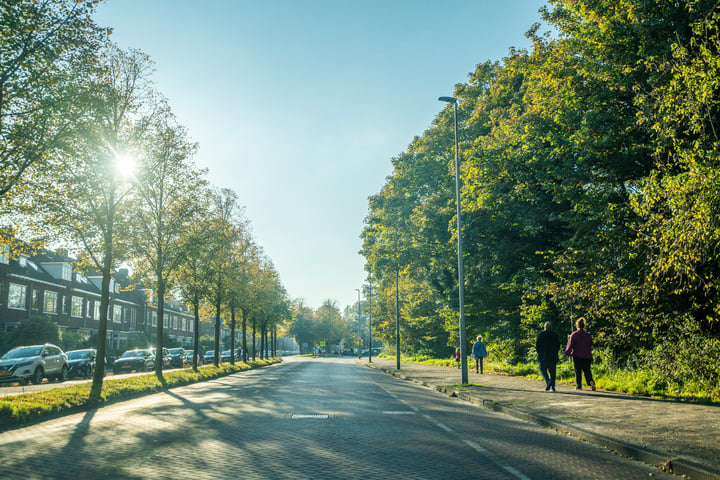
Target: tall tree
[
  {"x": 164, "y": 203},
  {"x": 84, "y": 200},
  {"x": 226, "y": 230},
  {"x": 44, "y": 47}
]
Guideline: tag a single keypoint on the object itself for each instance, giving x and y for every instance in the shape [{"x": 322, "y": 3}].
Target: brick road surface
[
  {"x": 303, "y": 419},
  {"x": 658, "y": 431}
]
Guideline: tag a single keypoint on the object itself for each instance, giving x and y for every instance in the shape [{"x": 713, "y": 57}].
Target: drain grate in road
[{"x": 296, "y": 416}]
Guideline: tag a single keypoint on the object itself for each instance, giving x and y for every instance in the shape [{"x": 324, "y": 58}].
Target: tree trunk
[
  {"x": 253, "y": 338},
  {"x": 196, "y": 339},
  {"x": 96, "y": 389},
  {"x": 232, "y": 334},
  {"x": 217, "y": 325},
  {"x": 160, "y": 325},
  {"x": 244, "y": 336}
]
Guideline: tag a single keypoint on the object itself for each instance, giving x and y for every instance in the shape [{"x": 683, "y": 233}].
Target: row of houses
[{"x": 47, "y": 284}]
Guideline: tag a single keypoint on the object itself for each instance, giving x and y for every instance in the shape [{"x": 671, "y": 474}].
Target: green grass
[
  {"x": 17, "y": 410},
  {"x": 638, "y": 382}
]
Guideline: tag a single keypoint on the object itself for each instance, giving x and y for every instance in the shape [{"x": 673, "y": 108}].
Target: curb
[{"x": 662, "y": 460}]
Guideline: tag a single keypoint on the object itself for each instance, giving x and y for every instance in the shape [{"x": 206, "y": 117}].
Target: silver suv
[{"x": 23, "y": 364}]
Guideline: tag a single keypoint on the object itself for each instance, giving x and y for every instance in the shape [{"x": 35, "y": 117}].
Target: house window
[
  {"x": 66, "y": 272},
  {"x": 16, "y": 296},
  {"x": 184, "y": 324},
  {"x": 175, "y": 319},
  {"x": 191, "y": 325},
  {"x": 96, "y": 310},
  {"x": 50, "y": 303},
  {"x": 35, "y": 299},
  {"x": 132, "y": 321},
  {"x": 154, "y": 319},
  {"x": 76, "y": 308},
  {"x": 117, "y": 313}
]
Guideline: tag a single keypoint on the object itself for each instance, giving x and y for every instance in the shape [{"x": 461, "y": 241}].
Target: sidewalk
[{"x": 682, "y": 437}]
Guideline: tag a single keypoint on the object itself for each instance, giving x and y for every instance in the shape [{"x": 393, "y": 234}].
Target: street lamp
[
  {"x": 358, "y": 322},
  {"x": 369, "y": 299},
  {"x": 461, "y": 276}
]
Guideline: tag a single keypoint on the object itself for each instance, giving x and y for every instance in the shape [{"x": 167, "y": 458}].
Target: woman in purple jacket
[{"x": 579, "y": 347}]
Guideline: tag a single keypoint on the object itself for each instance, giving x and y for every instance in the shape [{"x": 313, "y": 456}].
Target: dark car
[
  {"x": 209, "y": 357},
  {"x": 134, "y": 361},
  {"x": 166, "y": 357},
  {"x": 179, "y": 357},
  {"x": 81, "y": 363},
  {"x": 225, "y": 356}
]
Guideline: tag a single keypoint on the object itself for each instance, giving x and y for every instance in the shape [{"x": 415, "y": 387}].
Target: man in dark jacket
[{"x": 547, "y": 345}]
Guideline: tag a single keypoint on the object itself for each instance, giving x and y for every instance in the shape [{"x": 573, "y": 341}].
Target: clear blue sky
[{"x": 300, "y": 105}]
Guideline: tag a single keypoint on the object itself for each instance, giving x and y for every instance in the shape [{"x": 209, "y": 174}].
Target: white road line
[
  {"x": 505, "y": 467},
  {"x": 515, "y": 472},
  {"x": 475, "y": 446}
]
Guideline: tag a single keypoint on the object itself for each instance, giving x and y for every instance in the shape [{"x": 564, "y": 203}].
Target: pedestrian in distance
[
  {"x": 579, "y": 347},
  {"x": 547, "y": 345},
  {"x": 457, "y": 357},
  {"x": 479, "y": 352}
]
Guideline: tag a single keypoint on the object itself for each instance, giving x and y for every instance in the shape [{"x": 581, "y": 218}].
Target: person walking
[
  {"x": 479, "y": 352},
  {"x": 457, "y": 357},
  {"x": 579, "y": 347},
  {"x": 547, "y": 345}
]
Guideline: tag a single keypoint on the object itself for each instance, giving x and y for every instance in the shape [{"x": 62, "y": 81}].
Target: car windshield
[
  {"x": 78, "y": 354},
  {"x": 176, "y": 351},
  {"x": 22, "y": 352},
  {"x": 210, "y": 352},
  {"x": 132, "y": 353}
]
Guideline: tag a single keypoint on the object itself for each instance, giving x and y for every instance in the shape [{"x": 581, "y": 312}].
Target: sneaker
[
  {"x": 592, "y": 385},
  {"x": 578, "y": 387},
  {"x": 553, "y": 388}
]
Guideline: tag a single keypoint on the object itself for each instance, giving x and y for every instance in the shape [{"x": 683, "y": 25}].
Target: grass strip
[{"x": 20, "y": 410}]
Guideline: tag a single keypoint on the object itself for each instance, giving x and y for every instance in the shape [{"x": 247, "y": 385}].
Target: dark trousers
[
  {"x": 479, "y": 363},
  {"x": 548, "y": 371},
  {"x": 582, "y": 365}
]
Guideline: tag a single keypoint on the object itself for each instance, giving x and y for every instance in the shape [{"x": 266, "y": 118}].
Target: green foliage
[
  {"x": 589, "y": 189},
  {"x": 35, "y": 330}
]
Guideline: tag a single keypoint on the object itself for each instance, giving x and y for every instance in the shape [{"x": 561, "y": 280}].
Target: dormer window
[{"x": 66, "y": 273}]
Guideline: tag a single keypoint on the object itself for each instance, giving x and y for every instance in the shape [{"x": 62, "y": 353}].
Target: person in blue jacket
[{"x": 479, "y": 352}]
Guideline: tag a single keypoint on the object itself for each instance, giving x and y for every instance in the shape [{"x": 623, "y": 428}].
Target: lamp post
[
  {"x": 369, "y": 299},
  {"x": 461, "y": 276},
  {"x": 358, "y": 320}
]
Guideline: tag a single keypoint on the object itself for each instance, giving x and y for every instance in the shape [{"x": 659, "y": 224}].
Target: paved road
[{"x": 303, "y": 419}]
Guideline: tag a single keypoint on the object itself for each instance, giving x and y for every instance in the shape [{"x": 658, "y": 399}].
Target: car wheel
[
  {"x": 37, "y": 376},
  {"x": 63, "y": 374}
]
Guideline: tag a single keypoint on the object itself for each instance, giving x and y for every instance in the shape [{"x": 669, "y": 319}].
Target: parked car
[
  {"x": 179, "y": 358},
  {"x": 81, "y": 363},
  {"x": 166, "y": 356},
  {"x": 209, "y": 357},
  {"x": 134, "y": 361},
  {"x": 225, "y": 356},
  {"x": 190, "y": 354},
  {"x": 33, "y": 363}
]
